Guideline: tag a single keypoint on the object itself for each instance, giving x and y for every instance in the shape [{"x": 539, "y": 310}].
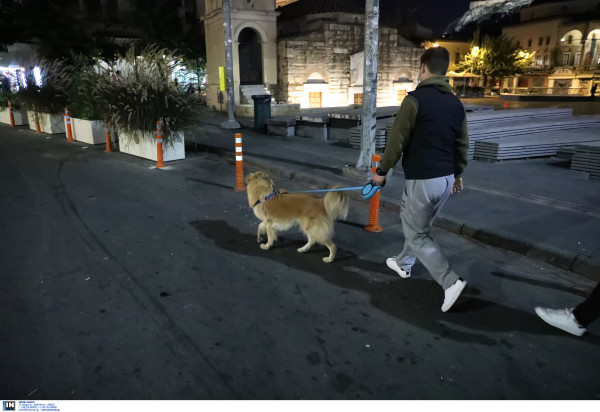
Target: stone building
[
  {"x": 307, "y": 52},
  {"x": 565, "y": 37},
  {"x": 320, "y": 56}
]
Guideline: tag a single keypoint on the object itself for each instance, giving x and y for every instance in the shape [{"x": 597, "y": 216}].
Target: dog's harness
[{"x": 267, "y": 197}]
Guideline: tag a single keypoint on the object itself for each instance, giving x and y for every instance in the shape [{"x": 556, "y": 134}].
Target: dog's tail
[{"x": 336, "y": 204}]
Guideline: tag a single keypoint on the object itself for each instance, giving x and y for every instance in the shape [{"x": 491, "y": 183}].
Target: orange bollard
[
  {"x": 11, "y": 115},
  {"x": 108, "y": 148},
  {"x": 373, "y": 225},
  {"x": 159, "y": 149},
  {"x": 69, "y": 130},
  {"x": 36, "y": 118},
  {"x": 239, "y": 166}
]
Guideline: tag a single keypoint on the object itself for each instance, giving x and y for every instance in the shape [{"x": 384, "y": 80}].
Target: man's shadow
[{"x": 416, "y": 301}]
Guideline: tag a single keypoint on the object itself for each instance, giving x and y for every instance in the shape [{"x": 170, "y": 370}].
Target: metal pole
[
  {"x": 231, "y": 123},
  {"x": 369, "y": 117}
]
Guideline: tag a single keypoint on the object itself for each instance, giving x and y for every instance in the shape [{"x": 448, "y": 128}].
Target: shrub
[
  {"x": 138, "y": 90},
  {"x": 51, "y": 95},
  {"x": 7, "y": 94},
  {"x": 80, "y": 96}
]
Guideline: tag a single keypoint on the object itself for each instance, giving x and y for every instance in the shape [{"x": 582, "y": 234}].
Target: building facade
[
  {"x": 321, "y": 56},
  {"x": 565, "y": 37},
  {"x": 308, "y": 52}
]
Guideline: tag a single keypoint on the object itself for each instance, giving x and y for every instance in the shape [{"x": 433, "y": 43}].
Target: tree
[
  {"x": 160, "y": 23},
  {"x": 495, "y": 57}
]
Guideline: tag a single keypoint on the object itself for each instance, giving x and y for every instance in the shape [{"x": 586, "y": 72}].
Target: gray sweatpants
[{"x": 421, "y": 203}]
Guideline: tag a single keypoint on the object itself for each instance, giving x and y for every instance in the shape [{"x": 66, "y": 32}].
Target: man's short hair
[{"x": 436, "y": 59}]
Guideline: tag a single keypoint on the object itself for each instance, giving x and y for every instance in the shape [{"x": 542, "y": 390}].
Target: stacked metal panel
[
  {"x": 355, "y": 136},
  {"x": 532, "y": 127},
  {"x": 587, "y": 159},
  {"x": 532, "y": 145}
]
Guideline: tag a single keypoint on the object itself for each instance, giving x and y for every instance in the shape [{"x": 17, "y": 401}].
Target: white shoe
[
  {"x": 561, "y": 319},
  {"x": 452, "y": 293},
  {"x": 392, "y": 264}
]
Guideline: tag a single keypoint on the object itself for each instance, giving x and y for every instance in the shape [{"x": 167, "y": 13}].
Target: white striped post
[
  {"x": 159, "y": 146},
  {"x": 11, "y": 115},
  {"x": 239, "y": 166},
  {"x": 69, "y": 130}
]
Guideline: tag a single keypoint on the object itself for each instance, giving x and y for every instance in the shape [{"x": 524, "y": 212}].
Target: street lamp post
[
  {"x": 369, "y": 117},
  {"x": 231, "y": 123}
]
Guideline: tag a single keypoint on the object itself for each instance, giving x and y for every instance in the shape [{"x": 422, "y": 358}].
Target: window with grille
[{"x": 358, "y": 98}]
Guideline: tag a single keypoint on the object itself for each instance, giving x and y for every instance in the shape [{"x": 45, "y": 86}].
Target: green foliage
[
  {"x": 6, "y": 93},
  {"x": 80, "y": 97},
  {"x": 137, "y": 91},
  {"x": 55, "y": 26},
  {"x": 495, "y": 57},
  {"x": 159, "y": 23},
  {"x": 51, "y": 95}
]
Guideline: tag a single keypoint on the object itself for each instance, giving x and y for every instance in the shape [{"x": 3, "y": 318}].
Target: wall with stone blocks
[{"x": 323, "y": 50}]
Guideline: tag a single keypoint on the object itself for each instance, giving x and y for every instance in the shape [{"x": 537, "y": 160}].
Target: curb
[{"x": 580, "y": 264}]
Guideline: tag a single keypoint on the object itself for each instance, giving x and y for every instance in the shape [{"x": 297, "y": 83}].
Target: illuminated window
[
  {"x": 401, "y": 95},
  {"x": 358, "y": 98},
  {"x": 314, "y": 99}
]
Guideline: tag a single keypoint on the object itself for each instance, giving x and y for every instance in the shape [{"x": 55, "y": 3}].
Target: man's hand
[
  {"x": 378, "y": 180},
  {"x": 458, "y": 185}
]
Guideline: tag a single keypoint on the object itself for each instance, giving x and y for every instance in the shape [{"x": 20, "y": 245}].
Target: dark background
[{"x": 433, "y": 14}]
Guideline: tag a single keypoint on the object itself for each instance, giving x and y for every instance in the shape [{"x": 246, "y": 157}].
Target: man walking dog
[{"x": 430, "y": 133}]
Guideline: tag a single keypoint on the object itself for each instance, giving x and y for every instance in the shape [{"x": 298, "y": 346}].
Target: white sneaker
[
  {"x": 452, "y": 293},
  {"x": 392, "y": 264},
  {"x": 562, "y": 319}
]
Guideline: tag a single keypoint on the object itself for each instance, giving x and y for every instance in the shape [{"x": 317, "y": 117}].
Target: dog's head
[
  {"x": 258, "y": 185},
  {"x": 260, "y": 178}
]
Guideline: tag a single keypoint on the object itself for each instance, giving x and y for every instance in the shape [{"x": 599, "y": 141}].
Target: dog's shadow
[{"x": 416, "y": 301}]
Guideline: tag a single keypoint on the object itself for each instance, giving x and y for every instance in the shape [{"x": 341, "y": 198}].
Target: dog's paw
[
  {"x": 265, "y": 246},
  {"x": 302, "y": 250},
  {"x": 259, "y": 239},
  {"x": 327, "y": 259}
]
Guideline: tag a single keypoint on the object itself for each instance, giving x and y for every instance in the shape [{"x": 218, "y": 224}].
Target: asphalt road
[{"x": 125, "y": 282}]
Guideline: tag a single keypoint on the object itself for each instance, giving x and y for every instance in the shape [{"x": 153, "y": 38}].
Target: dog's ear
[{"x": 249, "y": 177}]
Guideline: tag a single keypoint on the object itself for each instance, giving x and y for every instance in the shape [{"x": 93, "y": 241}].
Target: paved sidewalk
[{"x": 538, "y": 208}]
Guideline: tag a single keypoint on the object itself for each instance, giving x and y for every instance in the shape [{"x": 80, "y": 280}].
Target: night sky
[
  {"x": 437, "y": 14},
  {"x": 434, "y": 14}
]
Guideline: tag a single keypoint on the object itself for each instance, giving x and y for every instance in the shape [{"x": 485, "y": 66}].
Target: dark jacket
[{"x": 430, "y": 131}]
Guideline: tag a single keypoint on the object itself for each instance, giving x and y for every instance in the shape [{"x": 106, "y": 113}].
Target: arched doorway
[{"x": 250, "y": 57}]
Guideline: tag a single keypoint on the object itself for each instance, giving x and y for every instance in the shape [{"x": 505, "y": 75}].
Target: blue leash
[
  {"x": 367, "y": 191},
  {"x": 328, "y": 190}
]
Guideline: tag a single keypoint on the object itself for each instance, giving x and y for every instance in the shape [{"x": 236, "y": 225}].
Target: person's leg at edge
[{"x": 588, "y": 310}]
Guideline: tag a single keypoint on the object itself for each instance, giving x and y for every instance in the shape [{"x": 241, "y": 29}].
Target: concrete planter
[
  {"x": 49, "y": 123},
  {"x": 146, "y": 147},
  {"x": 88, "y": 131},
  {"x": 19, "y": 115}
]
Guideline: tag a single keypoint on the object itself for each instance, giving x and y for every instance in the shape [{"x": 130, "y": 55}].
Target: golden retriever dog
[{"x": 280, "y": 210}]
